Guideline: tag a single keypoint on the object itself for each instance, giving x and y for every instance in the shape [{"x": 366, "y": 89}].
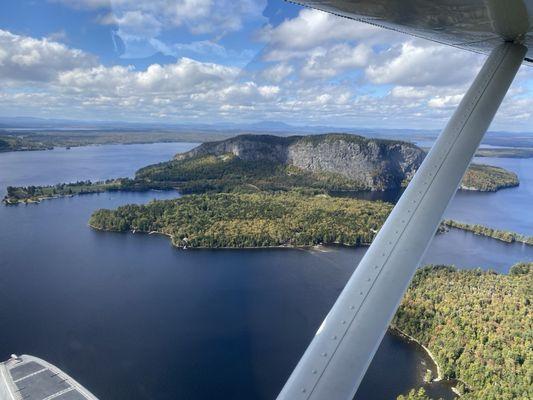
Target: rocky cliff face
[{"x": 376, "y": 164}]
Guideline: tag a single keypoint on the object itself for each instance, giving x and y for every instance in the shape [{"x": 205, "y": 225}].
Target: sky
[{"x": 239, "y": 61}]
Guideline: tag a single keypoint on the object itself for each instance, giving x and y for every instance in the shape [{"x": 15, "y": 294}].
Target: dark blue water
[
  {"x": 508, "y": 209},
  {"x": 133, "y": 318}
]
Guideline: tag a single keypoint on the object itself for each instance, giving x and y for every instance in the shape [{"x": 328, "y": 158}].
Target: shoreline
[
  {"x": 491, "y": 233},
  {"x": 440, "y": 378},
  {"x": 397, "y": 331},
  {"x": 323, "y": 248}
]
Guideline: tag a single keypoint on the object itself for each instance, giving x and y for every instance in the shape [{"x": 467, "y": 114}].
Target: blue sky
[{"x": 209, "y": 61}]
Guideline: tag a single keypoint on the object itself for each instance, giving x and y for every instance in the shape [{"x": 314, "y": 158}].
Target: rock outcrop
[{"x": 375, "y": 163}]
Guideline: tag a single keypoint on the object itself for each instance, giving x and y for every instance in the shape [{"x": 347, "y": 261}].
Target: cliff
[{"x": 373, "y": 163}]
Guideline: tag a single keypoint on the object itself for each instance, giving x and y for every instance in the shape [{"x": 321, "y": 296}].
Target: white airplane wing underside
[
  {"x": 341, "y": 351},
  {"x": 475, "y": 25}
]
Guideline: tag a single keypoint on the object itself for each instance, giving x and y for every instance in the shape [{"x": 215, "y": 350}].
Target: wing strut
[{"x": 335, "y": 362}]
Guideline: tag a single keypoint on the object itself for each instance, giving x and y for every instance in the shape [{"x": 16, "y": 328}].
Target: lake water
[{"x": 131, "y": 317}]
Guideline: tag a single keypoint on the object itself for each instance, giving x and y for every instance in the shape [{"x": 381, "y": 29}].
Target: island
[
  {"x": 504, "y": 236},
  {"x": 244, "y": 220},
  {"x": 333, "y": 164},
  {"x": 477, "y": 325},
  {"x": 488, "y": 178}
]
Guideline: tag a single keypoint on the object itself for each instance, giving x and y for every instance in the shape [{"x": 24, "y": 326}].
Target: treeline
[
  {"x": 251, "y": 220},
  {"x": 487, "y": 178},
  {"x": 477, "y": 229},
  {"x": 478, "y": 325}
]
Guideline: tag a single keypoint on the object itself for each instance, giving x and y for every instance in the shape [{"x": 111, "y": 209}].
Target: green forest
[
  {"x": 228, "y": 172},
  {"x": 251, "y": 219},
  {"x": 479, "y": 326},
  {"x": 414, "y": 394}
]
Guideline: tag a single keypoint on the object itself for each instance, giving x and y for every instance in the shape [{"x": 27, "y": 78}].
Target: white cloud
[
  {"x": 277, "y": 72},
  {"x": 133, "y": 24},
  {"x": 410, "y": 92},
  {"x": 421, "y": 63},
  {"x": 332, "y": 61},
  {"x": 312, "y": 28},
  {"x": 449, "y": 101},
  {"x": 27, "y": 59},
  {"x": 72, "y": 83},
  {"x": 184, "y": 76}
]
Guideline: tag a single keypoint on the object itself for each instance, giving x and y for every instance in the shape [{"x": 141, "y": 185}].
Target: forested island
[
  {"x": 487, "y": 178},
  {"x": 478, "y": 325},
  {"x": 504, "y": 236},
  {"x": 332, "y": 163},
  {"x": 251, "y": 220}
]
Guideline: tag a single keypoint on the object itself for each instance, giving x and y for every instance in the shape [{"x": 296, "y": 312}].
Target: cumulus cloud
[
  {"x": 312, "y": 28},
  {"x": 183, "y": 76},
  {"x": 278, "y": 72},
  {"x": 27, "y": 59},
  {"x": 420, "y": 63},
  {"x": 410, "y": 92},
  {"x": 401, "y": 81},
  {"x": 330, "y": 62},
  {"x": 449, "y": 101}
]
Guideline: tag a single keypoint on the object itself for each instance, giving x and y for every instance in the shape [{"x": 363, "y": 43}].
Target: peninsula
[
  {"x": 504, "y": 236},
  {"x": 236, "y": 220}
]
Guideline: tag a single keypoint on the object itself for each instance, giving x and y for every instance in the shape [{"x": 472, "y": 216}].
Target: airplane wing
[
  {"x": 341, "y": 351},
  {"x": 475, "y": 25}
]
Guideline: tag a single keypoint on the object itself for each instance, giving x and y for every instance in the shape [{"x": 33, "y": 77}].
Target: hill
[{"x": 371, "y": 164}]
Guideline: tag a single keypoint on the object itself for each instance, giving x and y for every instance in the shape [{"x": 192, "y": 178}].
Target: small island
[
  {"x": 477, "y": 326},
  {"x": 487, "y": 178},
  {"x": 504, "y": 236},
  {"x": 233, "y": 220},
  {"x": 331, "y": 164}
]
